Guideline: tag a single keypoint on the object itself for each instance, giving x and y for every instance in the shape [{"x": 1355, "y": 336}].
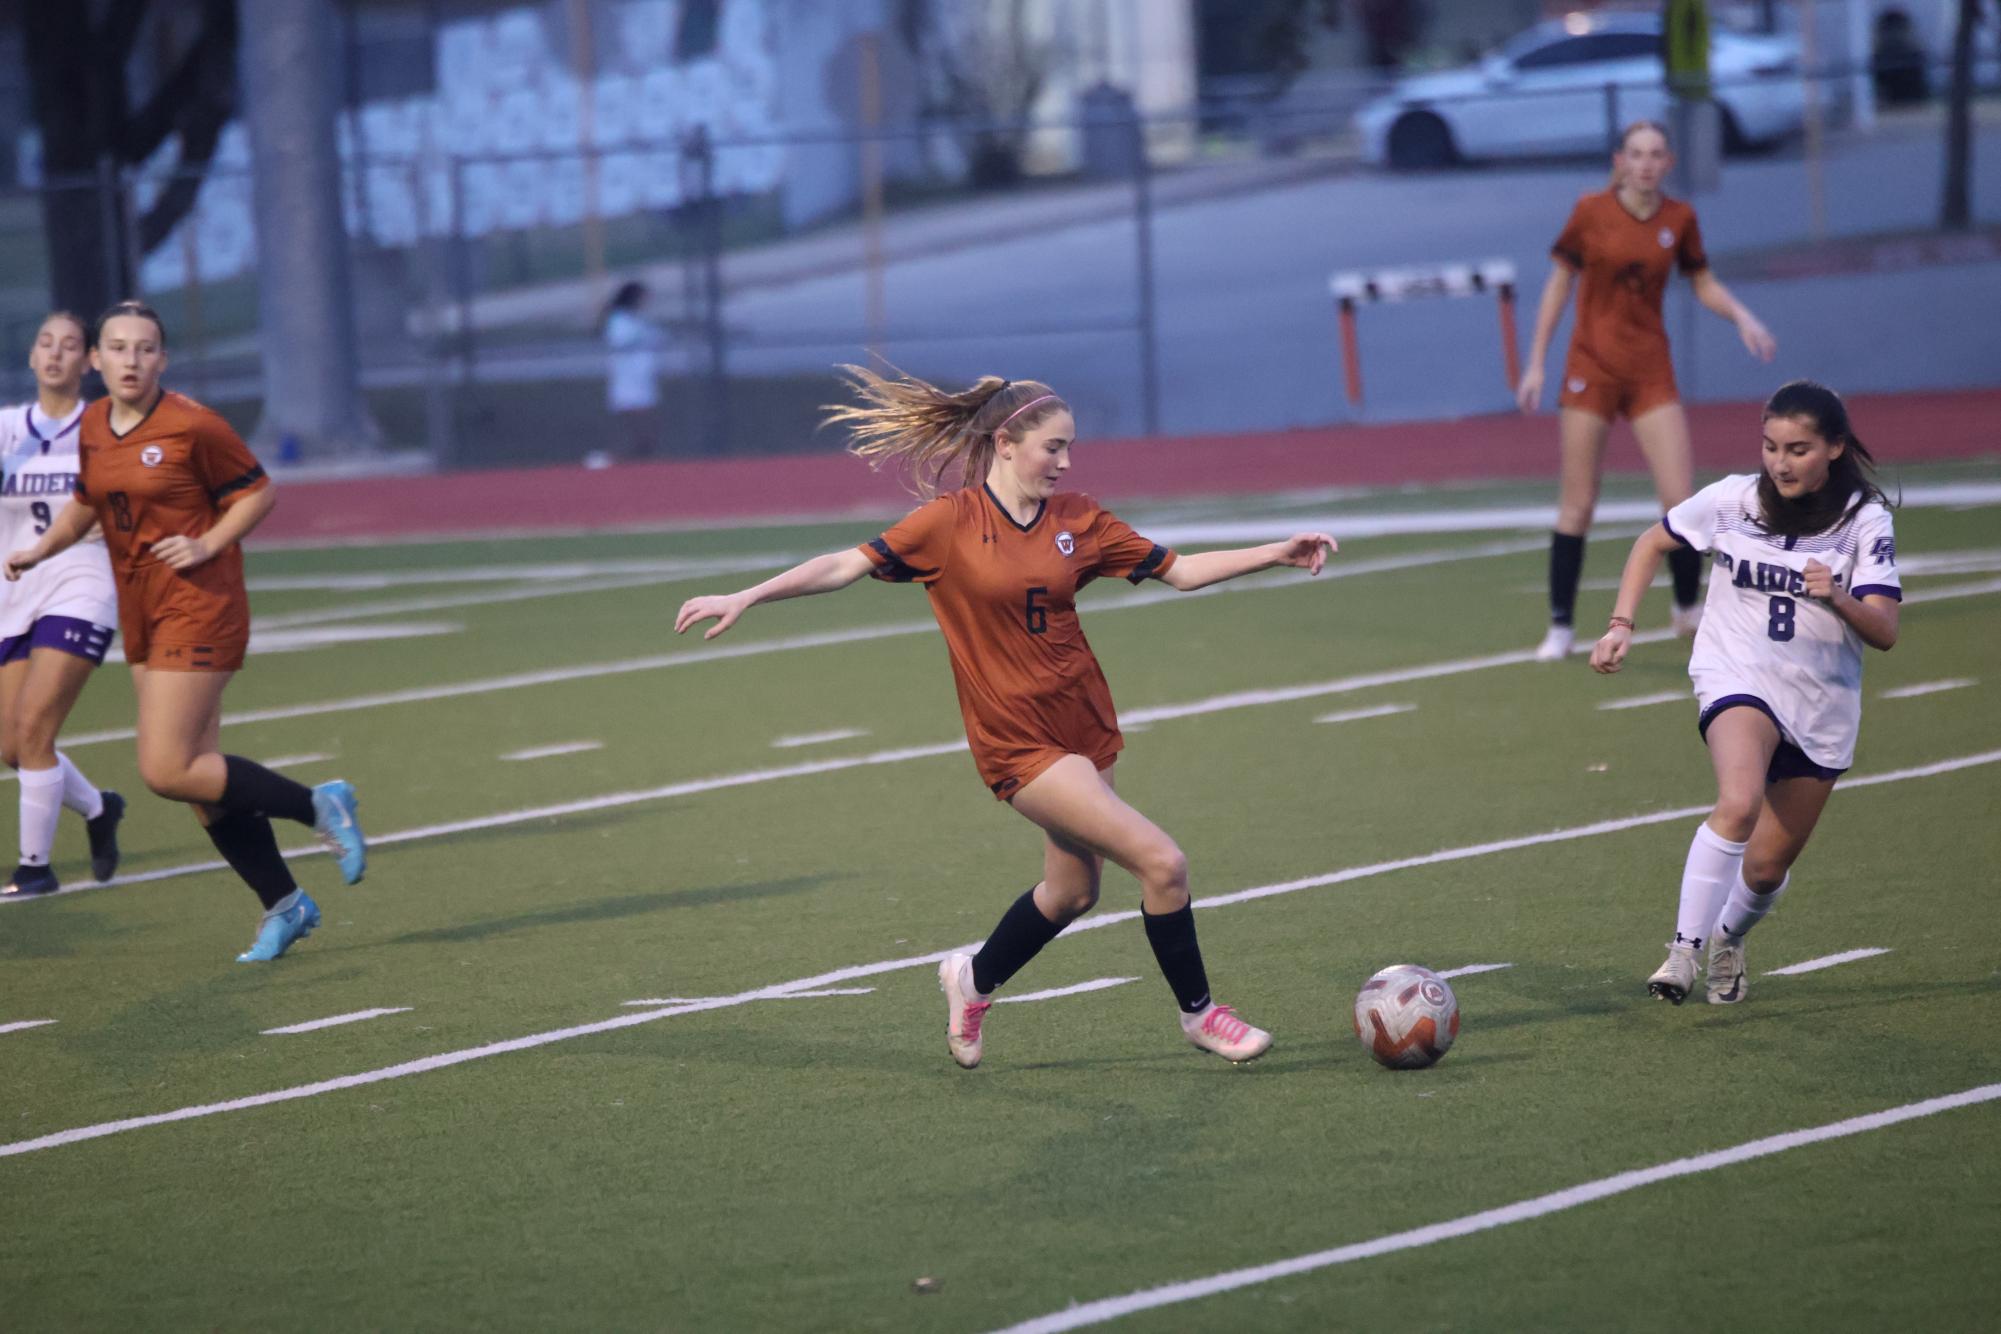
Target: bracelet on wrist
[{"x": 1619, "y": 623}]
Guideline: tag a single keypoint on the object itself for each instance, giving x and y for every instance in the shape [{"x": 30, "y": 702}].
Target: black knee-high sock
[
  {"x": 1172, "y": 936},
  {"x": 1022, "y": 933},
  {"x": 1566, "y": 566},
  {"x": 251, "y": 849},
  {"x": 1685, "y": 565},
  {"x": 251, "y": 789}
]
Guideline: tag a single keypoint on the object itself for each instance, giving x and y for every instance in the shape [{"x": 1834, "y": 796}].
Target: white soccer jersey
[
  {"x": 1761, "y": 634},
  {"x": 38, "y": 463}
]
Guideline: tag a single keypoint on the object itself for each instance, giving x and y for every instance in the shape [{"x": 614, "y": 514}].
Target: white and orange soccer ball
[{"x": 1406, "y": 1017}]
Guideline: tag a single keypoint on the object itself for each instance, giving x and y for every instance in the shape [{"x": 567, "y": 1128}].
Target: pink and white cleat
[
  {"x": 964, "y": 1010},
  {"x": 1219, "y": 1030}
]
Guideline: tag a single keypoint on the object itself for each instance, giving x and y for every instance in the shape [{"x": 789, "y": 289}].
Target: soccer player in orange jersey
[
  {"x": 1619, "y": 247},
  {"x": 174, "y": 492},
  {"x": 1002, "y": 557}
]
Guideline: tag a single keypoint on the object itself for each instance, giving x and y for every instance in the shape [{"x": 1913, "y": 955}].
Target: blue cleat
[
  {"x": 282, "y": 927},
  {"x": 334, "y": 821}
]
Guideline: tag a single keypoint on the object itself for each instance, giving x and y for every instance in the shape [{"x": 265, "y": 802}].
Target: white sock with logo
[
  {"x": 41, "y": 808},
  {"x": 79, "y": 793},
  {"x": 1746, "y": 908},
  {"x": 1714, "y": 865}
]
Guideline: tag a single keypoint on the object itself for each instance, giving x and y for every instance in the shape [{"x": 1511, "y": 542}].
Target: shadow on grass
[{"x": 607, "y": 910}]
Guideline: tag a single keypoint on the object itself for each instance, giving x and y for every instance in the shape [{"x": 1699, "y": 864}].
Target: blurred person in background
[{"x": 632, "y": 378}]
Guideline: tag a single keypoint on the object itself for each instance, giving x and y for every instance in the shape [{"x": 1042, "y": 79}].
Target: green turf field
[{"x": 750, "y": 1160}]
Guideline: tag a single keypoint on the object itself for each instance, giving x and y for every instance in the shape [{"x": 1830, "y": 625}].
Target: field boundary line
[
  {"x": 838, "y": 976},
  {"x": 1825, "y": 961},
  {"x": 335, "y": 1021},
  {"x": 1521, "y": 1211}
]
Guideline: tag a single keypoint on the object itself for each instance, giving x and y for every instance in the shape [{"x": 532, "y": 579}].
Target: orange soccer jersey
[
  {"x": 1005, "y": 594},
  {"x": 172, "y": 474},
  {"x": 1619, "y": 362}
]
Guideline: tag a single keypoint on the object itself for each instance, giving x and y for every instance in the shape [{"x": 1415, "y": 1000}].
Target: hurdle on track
[{"x": 1353, "y": 288}]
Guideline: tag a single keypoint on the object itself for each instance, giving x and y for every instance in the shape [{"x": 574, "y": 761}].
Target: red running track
[{"x": 1899, "y": 428}]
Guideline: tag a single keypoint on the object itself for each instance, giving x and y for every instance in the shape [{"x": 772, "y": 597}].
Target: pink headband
[{"x": 1018, "y": 411}]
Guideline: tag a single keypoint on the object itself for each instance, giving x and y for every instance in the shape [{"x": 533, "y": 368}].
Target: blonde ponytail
[{"x": 940, "y": 440}]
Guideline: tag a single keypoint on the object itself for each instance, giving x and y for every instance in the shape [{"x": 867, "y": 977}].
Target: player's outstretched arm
[
  {"x": 822, "y": 574},
  {"x": 1555, "y": 294},
  {"x": 1306, "y": 551},
  {"x": 1716, "y": 298},
  {"x": 1609, "y": 653},
  {"x": 1872, "y": 616},
  {"x": 72, "y": 521}
]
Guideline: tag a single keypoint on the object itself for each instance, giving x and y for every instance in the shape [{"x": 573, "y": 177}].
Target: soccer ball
[{"x": 1406, "y": 1017}]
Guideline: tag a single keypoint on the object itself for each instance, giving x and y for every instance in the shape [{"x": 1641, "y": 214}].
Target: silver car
[{"x": 1564, "y": 86}]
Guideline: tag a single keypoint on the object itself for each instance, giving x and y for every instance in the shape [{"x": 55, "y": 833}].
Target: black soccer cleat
[
  {"x": 29, "y": 881},
  {"x": 104, "y": 837}
]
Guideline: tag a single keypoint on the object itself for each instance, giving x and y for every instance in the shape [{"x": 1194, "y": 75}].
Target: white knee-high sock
[
  {"x": 1713, "y": 866},
  {"x": 41, "y": 807},
  {"x": 1746, "y": 908},
  {"x": 79, "y": 793}
]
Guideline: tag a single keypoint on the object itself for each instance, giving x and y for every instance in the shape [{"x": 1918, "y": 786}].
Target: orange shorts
[
  {"x": 1590, "y": 388},
  {"x": 1023, "y": 767},
  {"x": 180, "y": 622}
]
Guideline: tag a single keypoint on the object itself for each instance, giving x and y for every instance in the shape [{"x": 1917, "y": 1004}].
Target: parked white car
[{"x": 1561, "y": 86}]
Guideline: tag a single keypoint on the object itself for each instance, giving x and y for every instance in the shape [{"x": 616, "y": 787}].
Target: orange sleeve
[
  {"x": 225, "y": 465},
  {"x": 1569, "y": 245},
  {"x": 1124, "y": 553},
  {"x": 915, "y": 547},
  {"x": 1690, "y": 254}
]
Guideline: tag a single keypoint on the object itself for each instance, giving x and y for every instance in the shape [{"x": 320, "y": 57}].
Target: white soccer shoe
[
  {"x": 965, "y": 1012},
  {"x": 1673, "y": 980},
  {"x": 1726, "y": 972},
  {"x": 1555, "y": 646},
  {"x": 1219, "y": 1030},
  {"x": 1685, "y": 621}
]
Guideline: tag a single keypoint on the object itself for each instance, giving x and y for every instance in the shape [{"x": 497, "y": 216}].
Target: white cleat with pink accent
[
  {"x": 1219, "y": 1030},
  {"x": 965, "y": 1011}
]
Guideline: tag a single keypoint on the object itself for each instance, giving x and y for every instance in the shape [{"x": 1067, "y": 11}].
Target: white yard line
[
  {"x": 1098, "y": 984},
  {"x": 569, "y": 571},
  {"x": 1472, "y": 968},
  {"x": 1643, "y": 701},
  {"x": 445, "y": 601},
  {"x": 1825, "y": 961},
  {"x": 1356, "y": 715},
  {"x": 336, "y": 1020},
  {"x": 790, "y": 995},
  {"x": 20, "y": 1024},
  {"x": 818, "y": 738},
  {"x": 293, "y": 761},
  {"x": 560, "y": 748},
  {"x": 1343, "y": 685},
  {"x": 1113, "y": 1308},
  {"x": 837, "y": 976},
  {"x": 1495, "y": 518},
  {"x": 1929, "y": 688}
]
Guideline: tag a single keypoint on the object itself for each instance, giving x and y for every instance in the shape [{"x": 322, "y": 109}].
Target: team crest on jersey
[
  {"x": 151, "y": 456},
  {"x": 1066, "y": 543},
  {"x": 1667, "y": 239},
  {"x": 1883, "y": 550}
]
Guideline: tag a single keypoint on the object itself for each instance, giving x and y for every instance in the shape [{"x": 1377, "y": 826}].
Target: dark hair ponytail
[{"x": 1851, "y": 477}]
